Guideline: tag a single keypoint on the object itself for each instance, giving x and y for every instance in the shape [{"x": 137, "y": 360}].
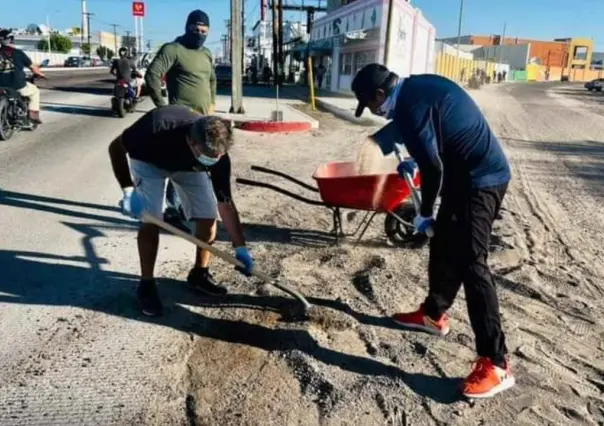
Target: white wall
[
  {"x": 441, "y": 46},
  {"x": 411, "y": 44},
  {"x": 55, "y": 58},
  {"x": 516, "y": 56}
]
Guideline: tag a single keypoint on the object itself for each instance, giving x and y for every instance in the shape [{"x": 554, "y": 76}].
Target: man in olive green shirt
[{"x": 188, "y": 66}]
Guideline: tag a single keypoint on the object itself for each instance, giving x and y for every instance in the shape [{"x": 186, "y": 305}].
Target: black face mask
[{"x": 194, "y": 40}]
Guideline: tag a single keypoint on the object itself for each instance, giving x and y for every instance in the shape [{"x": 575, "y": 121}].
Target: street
[{"x": 75, "y": 349}]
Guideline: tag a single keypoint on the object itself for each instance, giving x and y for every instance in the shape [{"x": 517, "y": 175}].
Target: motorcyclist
[
  {"x": 13, "y": 62},
  {"x": 124, "y": 67}
]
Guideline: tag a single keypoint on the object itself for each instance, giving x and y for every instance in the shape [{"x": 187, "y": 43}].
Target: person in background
[
  {"x": 321, "y": 70},
  {"x": 13, "y": 61},
  {"x": 459, "y": 158},
  {"x": 124, "y": 68},
  {"x": 188, "y": 67}
]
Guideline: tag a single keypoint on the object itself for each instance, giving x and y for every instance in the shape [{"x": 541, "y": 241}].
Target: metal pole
[
  {"x": 280, "y": 34},
  {"x": 83, "y": 25},
  {"x": 388, "y": 31},
  {"x": 275, "y": 42},
  {"x": 115, "y": 38},
  {"x": 142, "y": 43},
  {"x": 458, "y": 39},
  {"x": 501, "y": 43},
  {"x": 236, "y": 58},
  {"x": 48, "y": 26},
  {"x": 88, "y": 28},
  {"x": 135, "y": 34}
]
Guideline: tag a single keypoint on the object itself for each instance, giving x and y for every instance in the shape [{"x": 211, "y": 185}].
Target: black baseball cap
[{"x": 369, "y": 78}]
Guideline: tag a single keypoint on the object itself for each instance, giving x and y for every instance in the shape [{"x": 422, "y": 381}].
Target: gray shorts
[{"x": 194, "y": 189}]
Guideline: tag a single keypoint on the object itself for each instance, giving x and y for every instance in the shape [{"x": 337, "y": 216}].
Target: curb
[
  {"x": 349, "y": 116},
  {"x": 274, "y": 126},
  {"x": 343, "y": 114}
]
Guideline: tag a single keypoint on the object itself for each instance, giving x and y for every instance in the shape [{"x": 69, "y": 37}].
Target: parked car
[
  {"x": 595, "y": 85},
  {"x": 73, "y": 62},
  {"x": 224, "y": 74}
]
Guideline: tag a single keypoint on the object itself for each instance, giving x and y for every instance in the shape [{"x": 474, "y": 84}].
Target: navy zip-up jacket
[{"x": 448, "y": 136}]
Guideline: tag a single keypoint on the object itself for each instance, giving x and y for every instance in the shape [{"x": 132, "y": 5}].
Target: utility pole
[
  {"x": 236, "y": 58},
  {"x": 244, "y": 44},
  {"x": 501, "y": 43},
  {"x": 115, "y": 37},
  {"x": 280, "y": 33},
  {"x": 275, "y": 43},
  {"x": 458, "y": 38},
  {"x": 229, "y": 41},
  {"x": 88, "y": 14}
]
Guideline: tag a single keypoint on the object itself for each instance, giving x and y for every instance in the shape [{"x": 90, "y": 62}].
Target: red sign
[{"x": 138, "y": 8}]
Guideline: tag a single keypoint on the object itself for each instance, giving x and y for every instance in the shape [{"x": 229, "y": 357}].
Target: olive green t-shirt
[{"x": 190, "y": 77}]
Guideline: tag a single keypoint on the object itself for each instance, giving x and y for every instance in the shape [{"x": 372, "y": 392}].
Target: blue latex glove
[
  {"x": 132, "y": 203},
  {"x": 243, "y": 255},
  {"x": 422, "y": 224},
  {"x": 408, "y": 166}
]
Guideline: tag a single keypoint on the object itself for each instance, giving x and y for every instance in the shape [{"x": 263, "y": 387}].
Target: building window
[
  {"x": 580, "y": 53},
  {"x": 346, "y": 63},
  {"x": 363, "y": 58}
]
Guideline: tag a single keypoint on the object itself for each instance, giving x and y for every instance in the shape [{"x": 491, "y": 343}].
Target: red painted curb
[{"x": 274, "y": 126}]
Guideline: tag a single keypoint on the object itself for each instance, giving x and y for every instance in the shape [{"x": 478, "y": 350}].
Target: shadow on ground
[{"x": 86, "y": 281}]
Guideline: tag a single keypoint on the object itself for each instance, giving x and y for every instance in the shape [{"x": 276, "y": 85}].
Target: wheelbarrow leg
[
  {"x": 365, "y": 228},
  {"x": 337, "y": 229}
]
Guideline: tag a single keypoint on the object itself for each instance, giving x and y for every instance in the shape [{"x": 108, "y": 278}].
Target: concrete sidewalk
[
  {"x": 341, "y": 105},
  {"x": 258, "y": 109}
]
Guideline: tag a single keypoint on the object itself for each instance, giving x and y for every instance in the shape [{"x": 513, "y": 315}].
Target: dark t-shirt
[
  {"x": 159, "y": 138},
  {"x": 12, "y": 64},
  {"x": 123, "y": 69}
]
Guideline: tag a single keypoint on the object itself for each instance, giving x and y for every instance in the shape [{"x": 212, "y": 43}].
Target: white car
[{"x": 143, "y": 64}]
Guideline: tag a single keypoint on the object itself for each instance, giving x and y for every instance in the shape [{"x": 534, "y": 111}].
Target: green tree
[
  {"x": 58, "y": 43},
  {"x": 105, "y": 53},
  {"x": 86, "y": 49}
]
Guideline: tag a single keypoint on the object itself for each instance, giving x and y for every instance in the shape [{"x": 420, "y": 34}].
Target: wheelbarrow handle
[
  {"x": 415, "y": 197},
  {"x": 146, "y": 217}
]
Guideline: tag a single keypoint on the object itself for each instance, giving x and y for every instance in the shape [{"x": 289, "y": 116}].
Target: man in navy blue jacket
[{"x": 460, "y": 159}]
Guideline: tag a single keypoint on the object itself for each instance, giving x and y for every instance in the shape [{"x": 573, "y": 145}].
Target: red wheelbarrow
[{"x": 340, "y": 187}]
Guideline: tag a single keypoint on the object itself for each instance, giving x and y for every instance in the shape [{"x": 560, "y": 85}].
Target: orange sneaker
[
  {"x": 419, "y": 321},
  {"x": 487, "y": 379}
]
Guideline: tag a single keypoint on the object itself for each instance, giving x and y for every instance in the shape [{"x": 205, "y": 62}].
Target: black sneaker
[
  {"x": 200, "y": 279},
  {"x": 148, "y": 298}
]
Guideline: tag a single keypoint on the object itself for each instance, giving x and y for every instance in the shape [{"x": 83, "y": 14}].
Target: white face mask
[
  {"x": 387, "y": 108},
  {"x": 207, "y": 161}
]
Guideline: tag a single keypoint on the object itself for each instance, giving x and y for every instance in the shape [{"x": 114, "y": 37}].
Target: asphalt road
[
  {"x": 68, "y": 270},
  {"x": 74, "y": 348}
]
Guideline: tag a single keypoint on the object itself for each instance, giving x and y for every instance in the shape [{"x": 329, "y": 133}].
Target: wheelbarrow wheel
[{"x": 400, "y": 234}]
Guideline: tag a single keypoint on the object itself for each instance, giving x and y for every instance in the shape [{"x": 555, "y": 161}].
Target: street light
[{"x": 48, "y": 27}]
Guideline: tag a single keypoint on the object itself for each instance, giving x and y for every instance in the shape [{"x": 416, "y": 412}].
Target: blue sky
[{"x": 542, "y": 19}]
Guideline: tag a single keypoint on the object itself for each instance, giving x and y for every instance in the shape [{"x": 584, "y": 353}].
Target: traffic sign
[{"x": 138, "y": 8}]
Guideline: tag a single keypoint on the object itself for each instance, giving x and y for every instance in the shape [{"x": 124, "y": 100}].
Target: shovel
[{"x": 146, "y": 217}]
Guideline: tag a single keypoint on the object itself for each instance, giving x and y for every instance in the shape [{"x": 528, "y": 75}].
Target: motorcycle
[
  {"x": 124, "y": 98},
  {"x": 14, "y": 112}
]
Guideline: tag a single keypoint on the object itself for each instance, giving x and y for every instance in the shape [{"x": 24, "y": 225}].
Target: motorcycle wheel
[
  {"x": 120, "y": 108},
  {"x": 6, "y": 129}
]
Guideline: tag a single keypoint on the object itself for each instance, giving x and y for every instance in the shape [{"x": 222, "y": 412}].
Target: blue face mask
[{"x": 207, "y": 161}]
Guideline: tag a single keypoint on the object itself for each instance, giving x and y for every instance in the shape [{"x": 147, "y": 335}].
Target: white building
[{"x": 354, "y": 35}]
